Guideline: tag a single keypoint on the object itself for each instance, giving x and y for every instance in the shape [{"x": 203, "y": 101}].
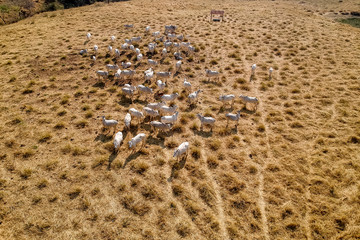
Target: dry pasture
[{"x": 290, "y": 170}]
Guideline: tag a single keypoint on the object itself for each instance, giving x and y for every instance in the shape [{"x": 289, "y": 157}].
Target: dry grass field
[{"x": 289, "y": 170}]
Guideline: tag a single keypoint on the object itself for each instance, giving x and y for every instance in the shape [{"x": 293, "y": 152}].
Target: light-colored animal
[
  {"x": 126, "y": 65},
  {"x": 148, "y": 74},
  {"x": 109, "y": 123},
  {"x": 127, "y": 26},
  {"x": 113, "y": 38},
  {"x": 128, "y": 41},
  {"x": 170, "y": 119},
  {"x": 251, "y": 100},
  {"x": 94, "y": 59},
  {"x": 176, "y": 45},
  {"x": 132, "y": 48},
  {"x": 163, "y": 75},
  {"x": 117, "y": 53},
  {"x": 145, "y": 90},
  {"x": 185, "y": 45},
  {"x": 168, "y": 110},
  {"x": 180, "y": 37},
  {"x": 181, "y": 150},
  {"x": 155, "y": 106},
  {"x": 96, "y": 48},
  {"x": 128, "y": 73},
  {"x": 110, "y": 49},
  {"x": 141, "y": 137},
  {"x": 147, "y": 29},
  {"x": 159, "y": 125},
  {"x": 83, "y": 52},
  {"x": 111, "y": 67},
  {"x": 191, "y": 49},
  {"x": 118, "y": 74},
  {"x": 152, "y": 47},
  {"x": 177, "y": 55},
  {"x": 167, "y": 44},
  {"x": 156, "y": 34},
  {"x": 88, "y": 36},
  {"x": 169, "y": 97},
  {"x": 117, "y": 141},
  {"x": 103, "y": 74},
  {"x": 150, "y": 70},
  {"x": 152, "y": 62},
  {"x": 227, "y": 98},
  {"x": 139, "y": 57},
  {"x": 206, "y": 121},
  {"x": 164, "y": 52},
  {"x": 187, "y": 85},
  {"x": 270, "y": 72},
  {"x": 150, "y": 112},
  {"x": 125, "y": 46},
  {"x": 136, "y": 114},
  {"x": 253, "y": 68},
  {"x": 127, "y": 120},
  {"x": 137, "y": 51},
  {"x": 170, "y": 28},
  {"x": 160, "y": 84},
  {"x": 128, "y": 92},
  {"x": 159, "y": 39},
  {"x": 211, "y": 74},
  {"x": 193, "y": 96},
  {"x": 135, "y": 39},
  {"x": 171, "y": 36},
  {"x": 178, "y": 65},
  {"x": 232, "y": 117},
  {"x": 130, "y": 86}
]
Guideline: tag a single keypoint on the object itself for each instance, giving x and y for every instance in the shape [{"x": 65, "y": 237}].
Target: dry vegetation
[{"x": 289, "y": 171}]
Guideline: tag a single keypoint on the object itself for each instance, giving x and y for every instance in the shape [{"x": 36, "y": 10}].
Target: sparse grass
[
  {"x": 65, "y": 100},
  {"x": 195, "y": 153},
  {"x": 27, "y": 153},
  {"x": 140, "y": 167},
  {"x": 78, "y": 94},
  {"x": 100, "y": 161},
  {"x": 301, "y": 142},
  {"x": 26, "y": 173},
  {"x": 214, "y": 145},
  {"x": 59, "y": 125},
  {"x": 171, "y": 144},
  {"x": 45, "y": 137},
  {"x": 81, "y": 123},
  {"x": 212, "y": 162},
  {"x": 74, "y": 193}
]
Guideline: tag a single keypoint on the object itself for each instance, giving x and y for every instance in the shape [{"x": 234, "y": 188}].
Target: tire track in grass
[
  {"x": 219, "y": 201},
  {"x": 262, "y": 203},
  {"x": 168, "y": 172}
]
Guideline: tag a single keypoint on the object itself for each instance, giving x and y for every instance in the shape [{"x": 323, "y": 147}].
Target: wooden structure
[{"x": 216, "y": 15}]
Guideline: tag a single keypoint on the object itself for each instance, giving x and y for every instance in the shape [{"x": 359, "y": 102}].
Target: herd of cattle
[{"x": 168, "y": 115}]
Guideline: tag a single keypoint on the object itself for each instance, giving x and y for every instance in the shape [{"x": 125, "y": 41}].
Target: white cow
[
  {"x": 182, "y": 149},
  {"x": 141, "y": 137},
  {"x": 251, "y": 100}
]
